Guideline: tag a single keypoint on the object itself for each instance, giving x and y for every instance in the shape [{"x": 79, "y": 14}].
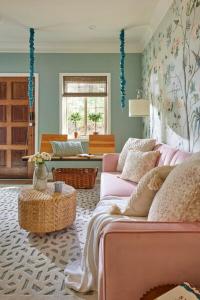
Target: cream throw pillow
[
  {"x": 179, "y": 197},
  {"x": 137, "y": 145},
  {"x": 141, "y": 199},
  {"x": 139, "y": 163}
]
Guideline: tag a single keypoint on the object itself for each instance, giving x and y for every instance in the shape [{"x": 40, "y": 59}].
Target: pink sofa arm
[
  {"x": 137, "y": 256},
  {"x": 109, "y": 163}
]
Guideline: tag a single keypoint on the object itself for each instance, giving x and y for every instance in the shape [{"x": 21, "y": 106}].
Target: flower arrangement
[{"x": 39, "y": 158}]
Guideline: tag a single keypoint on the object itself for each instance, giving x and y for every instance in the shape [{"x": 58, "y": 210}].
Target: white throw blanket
[{"x": 83, "y": 276}]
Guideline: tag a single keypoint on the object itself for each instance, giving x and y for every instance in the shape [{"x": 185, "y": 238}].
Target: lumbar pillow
[
  {"x": 179, "y": 197},
  {"x": 139, "y": 163},
  {"x": 140, "y": 201},
  {"x": 68, "y": 148},
  {"x": 137, "y": 145}
]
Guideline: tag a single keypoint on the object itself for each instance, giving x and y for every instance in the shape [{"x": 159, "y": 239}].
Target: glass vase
[{"x": 40, "y": 176}]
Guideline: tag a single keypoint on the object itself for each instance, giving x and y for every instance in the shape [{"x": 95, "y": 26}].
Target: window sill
[{"x": 80, "y": 139}]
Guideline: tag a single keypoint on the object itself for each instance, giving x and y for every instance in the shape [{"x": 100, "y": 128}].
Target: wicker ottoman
[{"x": 42, "y": 212}]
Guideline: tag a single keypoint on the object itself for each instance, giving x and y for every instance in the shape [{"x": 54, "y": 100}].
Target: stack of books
[{"x": 181, "y": 292}]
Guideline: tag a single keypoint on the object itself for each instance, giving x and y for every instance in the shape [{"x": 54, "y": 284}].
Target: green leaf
[
  {"x": 95, "y": 117},
  {"x": 75, "y": 117}
]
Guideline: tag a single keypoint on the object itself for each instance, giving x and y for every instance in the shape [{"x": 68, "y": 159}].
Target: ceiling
[{"x": 78, "y": 25}]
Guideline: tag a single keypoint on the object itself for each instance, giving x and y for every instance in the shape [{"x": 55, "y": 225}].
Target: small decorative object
[
  {"x": 40, "y": 174},
  {"x": 95, "y": 118},
  {"x": 58, "y": 186},
  {"x": 122, "y": 72},
  {"x": 182, "y": 291},
  {"x": 75, "y": 118}
]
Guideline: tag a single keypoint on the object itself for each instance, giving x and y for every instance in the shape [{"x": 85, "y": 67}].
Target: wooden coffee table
[{"x": 46, "y": 211}]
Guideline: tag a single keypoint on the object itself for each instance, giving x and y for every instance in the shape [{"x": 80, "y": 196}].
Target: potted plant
[
  {"x": 75, "y": 118},
  {"x": 95, "y": 118}
]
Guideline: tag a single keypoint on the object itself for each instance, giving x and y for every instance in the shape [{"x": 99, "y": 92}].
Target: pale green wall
[{"x": 48, "y": 66}]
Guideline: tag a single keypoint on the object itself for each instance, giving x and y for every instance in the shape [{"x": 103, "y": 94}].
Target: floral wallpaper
[{"x": 171, "y": 77}]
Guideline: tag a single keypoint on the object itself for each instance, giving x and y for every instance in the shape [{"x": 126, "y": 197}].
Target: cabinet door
[{"x": 16, "y": 134}]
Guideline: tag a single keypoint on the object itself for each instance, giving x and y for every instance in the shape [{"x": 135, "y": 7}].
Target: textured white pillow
[
  {"x": 139, "y": 163},
  {"x": 179, "y": 197},
  {"x": 141, "y": 199},
  {"x": 137, "y": 145}
]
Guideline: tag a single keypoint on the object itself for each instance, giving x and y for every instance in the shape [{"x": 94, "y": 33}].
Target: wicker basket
[{"x": 78, "y": 178}]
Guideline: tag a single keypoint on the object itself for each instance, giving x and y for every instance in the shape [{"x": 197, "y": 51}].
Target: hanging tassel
[
  {"x": 30, "y": 131},
  {"x": 31, "y": 68},
  {"x": 122, "y": 71}
]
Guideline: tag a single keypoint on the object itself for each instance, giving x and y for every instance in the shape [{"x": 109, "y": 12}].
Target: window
[{"x": 86, "y": 95}]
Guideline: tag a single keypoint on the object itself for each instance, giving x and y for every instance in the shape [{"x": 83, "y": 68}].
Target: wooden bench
[
  {"x": 98, "y": 145},
  {"x": 47, "y": 138},
  {"x": 101, "y": 143}
]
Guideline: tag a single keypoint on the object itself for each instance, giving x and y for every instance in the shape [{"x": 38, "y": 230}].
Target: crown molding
[{"x": 111, "y": 47}]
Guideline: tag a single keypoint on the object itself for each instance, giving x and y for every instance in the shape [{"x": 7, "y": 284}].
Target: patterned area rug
[{"x": 31, "y": 267}]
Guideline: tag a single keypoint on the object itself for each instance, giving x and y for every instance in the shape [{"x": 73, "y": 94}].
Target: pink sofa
[{"x": 137, "y": 256}]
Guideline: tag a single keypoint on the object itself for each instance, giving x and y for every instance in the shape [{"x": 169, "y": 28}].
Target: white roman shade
[{"x": 84, "y": 86}]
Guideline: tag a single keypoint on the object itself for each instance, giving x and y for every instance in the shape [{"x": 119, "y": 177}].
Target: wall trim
[
  {"x": 36, "y": 100},
  {"x": 99, "y": 47},
  {"x": 85, "y": 74}
]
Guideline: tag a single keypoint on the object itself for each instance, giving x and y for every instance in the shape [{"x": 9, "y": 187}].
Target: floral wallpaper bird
[{"x": 171, "y": 77}]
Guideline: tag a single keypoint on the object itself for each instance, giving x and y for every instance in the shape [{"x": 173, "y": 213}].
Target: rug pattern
[{"x": 33, "y": 265}]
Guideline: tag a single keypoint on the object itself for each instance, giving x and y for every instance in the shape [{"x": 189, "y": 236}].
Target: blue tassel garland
[
  {"x": 31, "y": 68},
  {"x": 122, "y": 71}
]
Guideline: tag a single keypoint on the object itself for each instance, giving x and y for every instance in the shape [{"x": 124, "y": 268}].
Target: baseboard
[{"x": 15, "y": 182}]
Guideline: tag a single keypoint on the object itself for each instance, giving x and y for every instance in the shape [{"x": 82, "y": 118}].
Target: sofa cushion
[
  {"x": 179, "y": 197},
  {"x": 170, "y": 156},
  {"x": 137, "y": 145},
  {"x": 179, "y": 157},
  {"x": 167, "y": 154},
  {"x": 68, "y": 148},
  {"x": 141, "y": 199},
  {"x": 109, "y": 162},
  {"x": 138, "y": 164},
  {"x": 113, "y": 185}
]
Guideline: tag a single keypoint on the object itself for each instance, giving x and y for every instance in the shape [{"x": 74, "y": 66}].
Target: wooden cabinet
[{"x": 16, "y": 136}]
